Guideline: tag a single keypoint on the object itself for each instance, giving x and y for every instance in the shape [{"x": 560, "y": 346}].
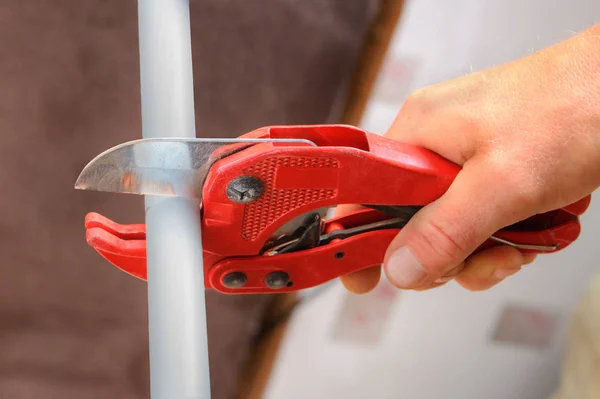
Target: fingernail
[
  {"x": 501, "y": 274},
  {"x": 450, "y": 275},
  {"x": 404, "y": 270},
  {"x": 442, "y": 280}
]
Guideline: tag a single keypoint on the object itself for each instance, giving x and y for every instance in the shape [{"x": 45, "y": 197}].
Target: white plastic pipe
[{"x": 176, "y": 300}]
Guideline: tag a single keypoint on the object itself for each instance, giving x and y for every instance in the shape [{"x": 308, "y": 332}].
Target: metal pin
[
  {"x": 235, "y": 280},
  {"x": 277, "y": 280},
  {"x": 531, "y": 247}
]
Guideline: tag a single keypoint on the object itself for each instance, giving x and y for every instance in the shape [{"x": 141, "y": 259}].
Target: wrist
[
  {"x": 576, "y": 65},
  {"x": 567, "y": 102}
]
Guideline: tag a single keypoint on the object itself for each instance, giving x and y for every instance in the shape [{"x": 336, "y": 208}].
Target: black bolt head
[
  {"x": 277, "y": 280},
  {"x": 245, "y": 189},
  {"x": 235, "y": 280}
]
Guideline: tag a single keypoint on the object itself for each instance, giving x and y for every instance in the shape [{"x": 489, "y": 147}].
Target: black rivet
[
  {"x": 277, "y": 280},
  {"x": 244, "y": 189},
  {"x": 235, "y": 280},
  {"x": 339, "y": 255}
]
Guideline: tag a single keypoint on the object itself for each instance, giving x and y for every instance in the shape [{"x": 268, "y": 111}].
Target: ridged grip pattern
[{"x": 275, "y": 202}]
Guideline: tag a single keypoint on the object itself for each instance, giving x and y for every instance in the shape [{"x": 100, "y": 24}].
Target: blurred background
[{"x": 72, "y": 326}]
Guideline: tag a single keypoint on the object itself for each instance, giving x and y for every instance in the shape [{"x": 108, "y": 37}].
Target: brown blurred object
[
  {"x": 71, "y": 325},
  {"x": 378, "y": 37},
  {"x": 370, "y": 62}
]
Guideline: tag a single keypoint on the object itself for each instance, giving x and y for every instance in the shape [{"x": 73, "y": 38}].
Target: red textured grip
[{"x": 276, "y": 202}]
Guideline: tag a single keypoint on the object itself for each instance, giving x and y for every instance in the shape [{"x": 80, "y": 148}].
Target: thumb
[{"x": 439, "y": 238}]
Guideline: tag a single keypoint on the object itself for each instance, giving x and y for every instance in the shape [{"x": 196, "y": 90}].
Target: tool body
[{"x": 262, "y": 202}]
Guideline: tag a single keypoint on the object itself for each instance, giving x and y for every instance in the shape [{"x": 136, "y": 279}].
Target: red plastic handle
[
  {"x": 316, "y": 266},
  {"x": 348, "y": 166}
]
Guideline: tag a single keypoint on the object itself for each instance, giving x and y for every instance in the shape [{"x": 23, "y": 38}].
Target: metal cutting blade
[{"x": 160, "y": 166}]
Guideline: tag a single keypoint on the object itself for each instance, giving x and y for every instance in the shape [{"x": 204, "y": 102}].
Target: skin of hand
[{"x": 527, "y": 135}]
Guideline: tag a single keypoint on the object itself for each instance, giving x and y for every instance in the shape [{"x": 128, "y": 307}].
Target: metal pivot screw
[
  {"x": 235, "y": 280},
  {"x": 244, "y": 189},
  {"x": 277, "y": 280}
]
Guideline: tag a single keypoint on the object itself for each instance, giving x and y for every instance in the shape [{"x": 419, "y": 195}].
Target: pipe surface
[{"x": 176, "y": 300}]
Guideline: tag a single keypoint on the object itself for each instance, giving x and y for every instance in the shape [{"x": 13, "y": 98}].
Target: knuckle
[
  {"x": 520, "y": 186},
  {"x": 438, "y": 247},
  {"x": 449, "y": 246},
  {"x": 418, "y": 100}
]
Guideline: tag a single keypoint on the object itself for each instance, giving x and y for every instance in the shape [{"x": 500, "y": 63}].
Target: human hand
[{"x": 527, "y": 134}]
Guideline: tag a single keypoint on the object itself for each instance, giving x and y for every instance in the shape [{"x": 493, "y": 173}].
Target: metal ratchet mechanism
[
  {"x": 311, "y": 234},
  {"x": 264, "y": 198}
]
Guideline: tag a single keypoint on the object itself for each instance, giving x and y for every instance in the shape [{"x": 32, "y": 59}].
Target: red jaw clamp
[{"x": 249, "y": 195}]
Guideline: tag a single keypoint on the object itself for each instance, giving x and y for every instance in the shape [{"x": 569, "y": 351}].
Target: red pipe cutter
[{"x": 264, "y": 195}]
